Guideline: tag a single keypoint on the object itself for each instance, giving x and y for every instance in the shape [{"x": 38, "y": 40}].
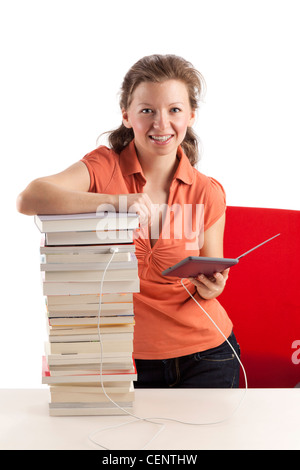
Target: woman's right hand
[{"x": 139, "y": 203}]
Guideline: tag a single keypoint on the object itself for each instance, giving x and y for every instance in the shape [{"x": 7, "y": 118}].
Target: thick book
[
  {"x": 84, "y": 358},
  {"x": 118, "y": 376},
  {"x": 89, "y": 238},
  {"x": 89, "y": 309},
  {"x": 119, "y": 398},
  {"x": 91, "y": 347},
  {"x": 92, "y": 275},
  {"x": 109, "y": 320},
  {"x": 92, "y": 265},
  {"x": 58, "y": 331},
  {"x": 86, "y": 313},
  {"x": 59, "y": 370},
  {"x": 97, "y": 396},
  {"x": 110, "y": 387},
  {"x": 69, "y": 288},
  {"x": 103, "y": 250},
  {"x": 115, "y": 363},
  {"x": 87, "y": 222},
  {"x": 91, "y": 337},
  {"x": 88, "y": 299},
  {"x": 81, "y": 409},
  {"x": 76, "y": 257}
]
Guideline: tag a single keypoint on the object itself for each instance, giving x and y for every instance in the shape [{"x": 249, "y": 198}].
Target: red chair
[{"x": 262, "y": 294}]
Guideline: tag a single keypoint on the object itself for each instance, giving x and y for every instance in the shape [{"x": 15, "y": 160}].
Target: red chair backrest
[{"x": 262, "y": 294}]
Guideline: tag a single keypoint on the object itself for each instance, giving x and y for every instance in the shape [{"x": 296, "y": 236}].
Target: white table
[{"x": 266, "y": 419}]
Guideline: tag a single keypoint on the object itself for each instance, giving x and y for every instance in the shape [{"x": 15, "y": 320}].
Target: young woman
[{"x": 150, "y": 160}]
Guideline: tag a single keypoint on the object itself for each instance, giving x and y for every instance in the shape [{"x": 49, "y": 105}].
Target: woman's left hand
[{"x": 210, "y": 288}]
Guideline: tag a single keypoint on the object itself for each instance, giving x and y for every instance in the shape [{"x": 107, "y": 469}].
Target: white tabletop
[{"x": 266, "y": 419}]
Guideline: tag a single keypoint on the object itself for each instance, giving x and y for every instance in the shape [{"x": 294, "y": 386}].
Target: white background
[{"x": 62, "y": 64}]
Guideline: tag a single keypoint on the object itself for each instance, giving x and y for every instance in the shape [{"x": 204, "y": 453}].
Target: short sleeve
[
  {"x": 101, "y": 165},
  {"x": 215, "y": 203}
]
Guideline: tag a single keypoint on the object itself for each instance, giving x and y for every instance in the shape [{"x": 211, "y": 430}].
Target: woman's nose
[{"x": 161, "y": 120}]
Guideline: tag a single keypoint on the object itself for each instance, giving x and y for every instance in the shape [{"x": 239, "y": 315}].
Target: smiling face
[{"x": 159, "y": 114}]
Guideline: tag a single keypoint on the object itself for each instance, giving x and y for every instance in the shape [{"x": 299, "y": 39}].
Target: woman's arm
[
  {"x": 212, "y": 247},
  {"x": 67, "y": 193}
]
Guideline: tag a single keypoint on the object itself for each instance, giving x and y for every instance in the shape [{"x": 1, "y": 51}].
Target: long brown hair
[{"x": 158, "y": 68}]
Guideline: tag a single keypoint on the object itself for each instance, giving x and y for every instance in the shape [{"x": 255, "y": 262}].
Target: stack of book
[{"x": 88, "y": 362}]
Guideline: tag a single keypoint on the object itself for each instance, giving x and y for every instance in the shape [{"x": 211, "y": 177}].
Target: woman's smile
[{"x": 161, "y": 139}]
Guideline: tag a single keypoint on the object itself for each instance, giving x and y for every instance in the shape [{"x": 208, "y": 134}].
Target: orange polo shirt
[{"x": 168, "y": 322}]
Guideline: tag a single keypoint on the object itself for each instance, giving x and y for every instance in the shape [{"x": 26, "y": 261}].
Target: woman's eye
[{"x": 149, "y": 110}]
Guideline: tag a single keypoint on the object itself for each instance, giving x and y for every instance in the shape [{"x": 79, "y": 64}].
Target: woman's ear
[
  {"x": 192, "y": 118},
  {"x": 125, "y": 118}
]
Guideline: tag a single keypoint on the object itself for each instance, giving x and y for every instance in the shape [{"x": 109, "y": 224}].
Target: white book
[
  {"x": 87, "y": 221},
  {"x": 89, "y": 238},
  {"x": 62, "y": 396},
  {"x": 109, "y": 320},
  {"x": 130, "y": 263},
  {"x": 88, "y": 330},
  {"x": 120, "y": 399},
  {"x": 80, "y": 410},
  {"x": 69, "y": 288},
  {"x": 91, "y": 347},
  {"x": 47, "y": 379},
  {"x": 83, "y": 369},
  {"x": 89, "y": 313},
  {"x": 84, "y": 357},
  {"x": 103, "y": 249},
  {"x": 125, "y": 362},
  {"x": 58, "y": 310},
  {"x": 91, "y": 337},
  {"x": 91, "y": 276},
  {"x": 77, "y": 257},
  {"x": 110, "y": 387},
  {"x": 88, "y": 299}
]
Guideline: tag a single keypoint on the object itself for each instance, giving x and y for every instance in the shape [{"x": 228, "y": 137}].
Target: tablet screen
[{"x": 195, "y": 265}]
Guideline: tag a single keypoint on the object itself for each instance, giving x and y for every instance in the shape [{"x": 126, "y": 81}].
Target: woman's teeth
[{"x": 161, "y": 138}]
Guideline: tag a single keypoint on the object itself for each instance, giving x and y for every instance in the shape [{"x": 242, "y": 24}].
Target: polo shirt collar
[
  {"x": 130, "y": 164},
  {"x": 184, "y": 171}
]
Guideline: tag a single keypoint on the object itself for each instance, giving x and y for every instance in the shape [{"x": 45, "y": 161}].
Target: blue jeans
[{"x": 214, "y": 368}]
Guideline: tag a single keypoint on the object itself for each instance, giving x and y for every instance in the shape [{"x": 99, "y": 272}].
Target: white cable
[
  {"x": 113, "y": 251},
  {"x": 151, "y": 420},
  {"x": 236, "y": 355}
]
